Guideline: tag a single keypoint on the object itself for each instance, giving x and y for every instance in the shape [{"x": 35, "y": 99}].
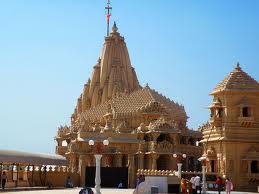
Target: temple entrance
[
  {"x": 110, "y": 176},
  {"x": 163, "y": 162}
]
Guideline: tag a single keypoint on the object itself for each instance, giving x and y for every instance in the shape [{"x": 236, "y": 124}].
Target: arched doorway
[{"x": 163, "y": 162}]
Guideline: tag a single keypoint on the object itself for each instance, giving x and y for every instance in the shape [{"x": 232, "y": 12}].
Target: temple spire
[{"x": 108, "y": 15}]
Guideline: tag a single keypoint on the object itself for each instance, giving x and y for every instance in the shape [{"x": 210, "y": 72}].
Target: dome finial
[
  {"x": 114, "y": 27},
  {"x": 238, "y": 66}
]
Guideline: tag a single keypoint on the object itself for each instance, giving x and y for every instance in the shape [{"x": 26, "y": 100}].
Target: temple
[
  {"x": 144, "y": 128},
  {"x": 231, "y": 137}
]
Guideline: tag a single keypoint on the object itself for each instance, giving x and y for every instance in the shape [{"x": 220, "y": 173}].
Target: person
[
  {"x": 184, "y": 186},
  {"x": 69, "y": 183},
  {"x": 193, "y": 190},
  {"x": 189, "y": 187},
  {"x": 228, "y": 186},
  {"x": 138, "y": 180},
  {"x": 120, "y": 186},
  {"x": 197, "y": 183},
  {"x": 219, "y": 184},
  {"x": 4, "y": 180}
]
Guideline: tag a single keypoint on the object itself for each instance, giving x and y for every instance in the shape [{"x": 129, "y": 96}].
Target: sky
[{"x": 181, "y": 48}]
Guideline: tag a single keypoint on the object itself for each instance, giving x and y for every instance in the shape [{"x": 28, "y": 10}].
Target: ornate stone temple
[
  {"x": 144, "y": 128},
  {"x": 231, "y": 137}
]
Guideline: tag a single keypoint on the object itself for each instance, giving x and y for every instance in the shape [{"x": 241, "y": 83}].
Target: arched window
[
  {"x": 245, "y": 112},
  {"x": 162, "y": 137},
  {"x": 254, "y": 166},
  {"x": 64, "y": 143},
  {"x": 182, "y": 140}
]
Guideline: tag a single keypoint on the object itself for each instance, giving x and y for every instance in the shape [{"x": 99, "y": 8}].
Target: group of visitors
[
  {"x": 220, "y": 185},
  {"x": 193, "y": 186}
]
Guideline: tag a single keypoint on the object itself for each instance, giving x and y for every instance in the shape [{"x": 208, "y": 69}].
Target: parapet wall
[{"x": 44, "y": 177}]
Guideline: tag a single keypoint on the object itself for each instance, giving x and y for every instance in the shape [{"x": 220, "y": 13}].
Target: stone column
[
  {"x": 141, "y": 161},
  {"x": 172, "y": 163},
  {"x": 81, "y": 169},
  {"x": 204, "y": 184},
  {"x": 154, "y": 157},
  {"x": 249, "y": 166},
  {"x": 118, "y": 160},
  {"x": 187, "y": 163},
  {"x": 98, "y": 173},
  {"x": 179, "y": 165},
  {"x": 131, "y": 171}
]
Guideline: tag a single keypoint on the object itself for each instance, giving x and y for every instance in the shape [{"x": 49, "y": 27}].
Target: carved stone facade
[
  {"x": 144, "y": 128},
  {"x": 231, "y": 137}
]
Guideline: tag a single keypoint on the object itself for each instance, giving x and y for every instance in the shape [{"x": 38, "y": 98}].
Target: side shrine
[
  {"x": 143, "y": 127},
  {"x": 231, "y": 137}
]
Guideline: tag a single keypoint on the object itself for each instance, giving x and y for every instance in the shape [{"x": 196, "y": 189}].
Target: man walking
[
  {"x": 197, "y": 183},
  {"x": 4, "y": 179}
]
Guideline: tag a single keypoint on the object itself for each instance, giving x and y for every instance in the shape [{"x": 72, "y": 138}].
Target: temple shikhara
[
  {"x": 231, "y": 137},
  {"x": 143, "y": 127}
]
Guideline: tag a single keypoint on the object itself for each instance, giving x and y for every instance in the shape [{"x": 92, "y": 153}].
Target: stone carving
[
  {"x": 165, "y": 146},
  {"x": 159, "y": 125}
]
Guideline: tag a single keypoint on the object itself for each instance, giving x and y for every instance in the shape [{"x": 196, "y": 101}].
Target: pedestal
[{"x": 98, "y": 173}]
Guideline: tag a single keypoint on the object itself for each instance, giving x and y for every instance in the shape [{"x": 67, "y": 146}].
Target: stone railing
[{"x": 152, "y": 172}]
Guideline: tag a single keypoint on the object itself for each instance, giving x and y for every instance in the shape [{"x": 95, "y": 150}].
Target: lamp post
[
  {"x": 203, "y": 161},
  {"x": 98, "y": 156},
  {"x": 179, "y": 159}
]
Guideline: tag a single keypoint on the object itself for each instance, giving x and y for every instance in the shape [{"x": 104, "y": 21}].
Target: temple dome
[{"x": 237, "y": 80}]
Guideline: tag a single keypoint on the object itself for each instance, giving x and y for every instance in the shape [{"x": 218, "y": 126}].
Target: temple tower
[{"x": 112, "y": 76}]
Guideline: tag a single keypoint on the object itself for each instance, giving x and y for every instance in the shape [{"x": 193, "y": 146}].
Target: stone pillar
[
  {"x": 204, "y": 184},
  {"x": 82, "y": 168},
  {"x": 155, "y": 135},
  {"x": 186, "y": 163},
  {"x": 141, "y": 161},
  {"x": 172, "y": 163},
  {"x": 131, "y": 171},
  {"x": 118, "y": 160},
  {"x": 98, "y": 173},
  {"x": 179, "y": 165},
  {"x": 218, "y": 166},
  {"x": 249, "y": 166},
  {"x": 59, "y": 142},
  {"x": 154, "y": 157}
]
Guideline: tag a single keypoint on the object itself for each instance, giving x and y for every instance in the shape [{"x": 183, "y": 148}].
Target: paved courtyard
[
  {"x": 104, "y": 191},
  {"x": 71, "y": 191}
]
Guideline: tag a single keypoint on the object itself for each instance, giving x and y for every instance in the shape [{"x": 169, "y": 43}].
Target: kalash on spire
[{"x": 114, "y": 106}]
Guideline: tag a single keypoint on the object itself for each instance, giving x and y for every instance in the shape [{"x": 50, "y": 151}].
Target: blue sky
[{"x": 181, "y": 48}]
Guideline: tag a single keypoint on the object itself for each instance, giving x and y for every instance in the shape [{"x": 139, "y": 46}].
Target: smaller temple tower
[{"x": 231, "y": 137}]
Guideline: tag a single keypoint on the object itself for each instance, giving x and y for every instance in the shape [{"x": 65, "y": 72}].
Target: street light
[
  {"x": 98, "y": 156},
  {"x": 203, "y": 161},
  {"x": 179, "y": 158}
]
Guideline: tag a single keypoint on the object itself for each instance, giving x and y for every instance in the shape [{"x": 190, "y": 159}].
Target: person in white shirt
[
  {"x": 197, "y": 183},
  {"x": 193, "y": 185}
]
